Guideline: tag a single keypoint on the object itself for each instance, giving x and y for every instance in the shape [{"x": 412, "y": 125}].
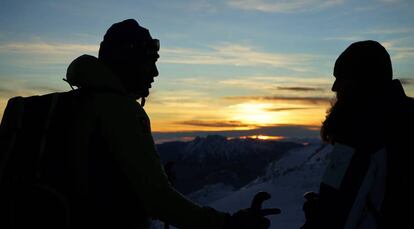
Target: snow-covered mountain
[
  {"x": 216, "y": 160},
  {"x": 287, "y": 179}
]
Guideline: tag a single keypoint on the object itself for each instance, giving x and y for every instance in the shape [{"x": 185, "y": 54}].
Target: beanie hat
[
  {"x": 122, "y": 34},
  {"x": 366, "y": 62}
]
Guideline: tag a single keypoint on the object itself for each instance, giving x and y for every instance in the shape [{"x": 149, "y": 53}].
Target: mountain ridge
[{"x": 215, "y": 159}]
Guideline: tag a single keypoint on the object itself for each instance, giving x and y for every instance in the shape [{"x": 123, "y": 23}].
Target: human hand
[
  {"x": 311, "y": 210},
  {"x": 253, "y": 217}
]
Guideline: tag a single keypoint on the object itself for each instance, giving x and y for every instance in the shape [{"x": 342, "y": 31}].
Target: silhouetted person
[
  {"x": 118, "y": 180},
  {"x": 370, "y": 126}
]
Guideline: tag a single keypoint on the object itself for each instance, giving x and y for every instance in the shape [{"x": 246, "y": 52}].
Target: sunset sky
[{"x": 231, "y": 67}]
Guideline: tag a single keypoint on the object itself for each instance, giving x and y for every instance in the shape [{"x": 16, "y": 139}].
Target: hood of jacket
[{"x": 89, "y": 72}]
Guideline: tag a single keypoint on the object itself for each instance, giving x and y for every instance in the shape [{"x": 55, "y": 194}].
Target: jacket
[{"x": 112, "y": 123}]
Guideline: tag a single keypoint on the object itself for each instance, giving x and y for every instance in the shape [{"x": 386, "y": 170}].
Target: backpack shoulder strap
[
  {"x": 371, "y": 193},
  {"x": 44, "y": 133},
  {"x": 10, "y": 127}
]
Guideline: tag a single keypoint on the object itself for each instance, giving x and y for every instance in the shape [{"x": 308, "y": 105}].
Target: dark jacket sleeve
[{"x": 127, "y": 129}]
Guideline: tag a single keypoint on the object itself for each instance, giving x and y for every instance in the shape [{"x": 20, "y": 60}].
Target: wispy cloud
[
  {"x": 33, "y": 54},
  {"x": 403, "y": 53},
  {"x": 368, "y": 34},
  {"x": 279, "y": 81},
  {"x": 267, "y": 84},
  {"x": 302, "y": 89},
  {"x": 287, "y": 109},
  {"x": 238, "y": 55},
  {"x": 228, "y": 54},
  {"x": 350, "y": 38},
  {"x": 283, "y": 87},
  {"x": 377, "y": 4},
  {"x": 399, "y": 49},
  {"x": 390, "y": 1},
  {"x": 50, "y": 49},
  {"x": 11, "y": 88},
  {"x": 282, "y": 6},
  {"x": 407, "y": 81},
  {"x": 6, "y": 92},
  {"x": 390, "y": 31},
  {"x": 181, "y": 98},
  {"x": 304, "y": 100},
  {"x": 220, "y": 124}
]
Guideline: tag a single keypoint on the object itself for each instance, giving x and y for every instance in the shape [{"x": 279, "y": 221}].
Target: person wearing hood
[{"x": 110, "y": 113}]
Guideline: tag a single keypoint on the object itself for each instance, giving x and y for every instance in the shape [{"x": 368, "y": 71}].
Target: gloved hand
[
  {"x": 311, "y": 209},
  {"x": 253, "y": 217}
]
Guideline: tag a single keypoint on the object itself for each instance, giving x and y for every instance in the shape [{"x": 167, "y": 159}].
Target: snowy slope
[
  {"x": 287, "y": 179},
  {"x": 215, "y": 159},
  {"x": 299, "y": 170}
]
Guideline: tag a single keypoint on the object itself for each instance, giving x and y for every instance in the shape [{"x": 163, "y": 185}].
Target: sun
[{"x": 253, "y": 113}]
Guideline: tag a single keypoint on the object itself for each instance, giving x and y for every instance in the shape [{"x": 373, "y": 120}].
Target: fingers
[
  {"x": 258, "y": 200},
  {"x": 311, "y": 195},
  {"x": 270, "y": 211}
]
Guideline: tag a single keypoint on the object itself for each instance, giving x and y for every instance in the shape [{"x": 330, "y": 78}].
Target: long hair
[
  {"x": 355, "y": 121},
  {"x": 337, "y": 124}
]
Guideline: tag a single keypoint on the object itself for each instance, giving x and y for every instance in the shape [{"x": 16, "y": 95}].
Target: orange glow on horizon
[
  {"x": 260, "y": 137},
  {"x": 241, "y": 116}
]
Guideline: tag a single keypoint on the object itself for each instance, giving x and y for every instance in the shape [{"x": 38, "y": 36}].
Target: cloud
[
  {"x": 368, "y": 34},
  {"x": 375, "y": 5},
  {"x": 33, "y": 54},
  {"x": 249, "y": 83},
  {"x": 11, "y": 87},
  {"x": 287, "y": 109},
  {"x": 6, "y": 92},
  {"x": 304, "y": 89},
  {"x": 349, "y": 38},
  {"x": 390, "y": 31},
  {"x": 282, "y": 6},
  {"x": 49, "y": 49},
  {"x": 286, "y": 86},
  {"x": 406, "y": 81},
  {"x": 287, "y": 131},
  {"x": 237, "y": 55},
  {"x": 390, "y": 1},
  {"x": 305, "y": 100},
  {"x": 228, "y": 54},
  {"x": 212, "y": 123},
  {"x": 182, "y": 98},
  {"x": 272, "y": 82},
  {"x": 402, "y": 53},
  {"x": 399, "y": 49}
]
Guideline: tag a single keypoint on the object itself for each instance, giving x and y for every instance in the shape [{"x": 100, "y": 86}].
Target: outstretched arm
[{"x": 127, "y": 129}]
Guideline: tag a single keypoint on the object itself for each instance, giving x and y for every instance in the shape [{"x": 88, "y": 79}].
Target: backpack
[
  {"x": 34, "y": 166},
  {"x": 46, "y": 182},
  {"x": 353, "y": 187},
  {"x": 367, "y": 187}
]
